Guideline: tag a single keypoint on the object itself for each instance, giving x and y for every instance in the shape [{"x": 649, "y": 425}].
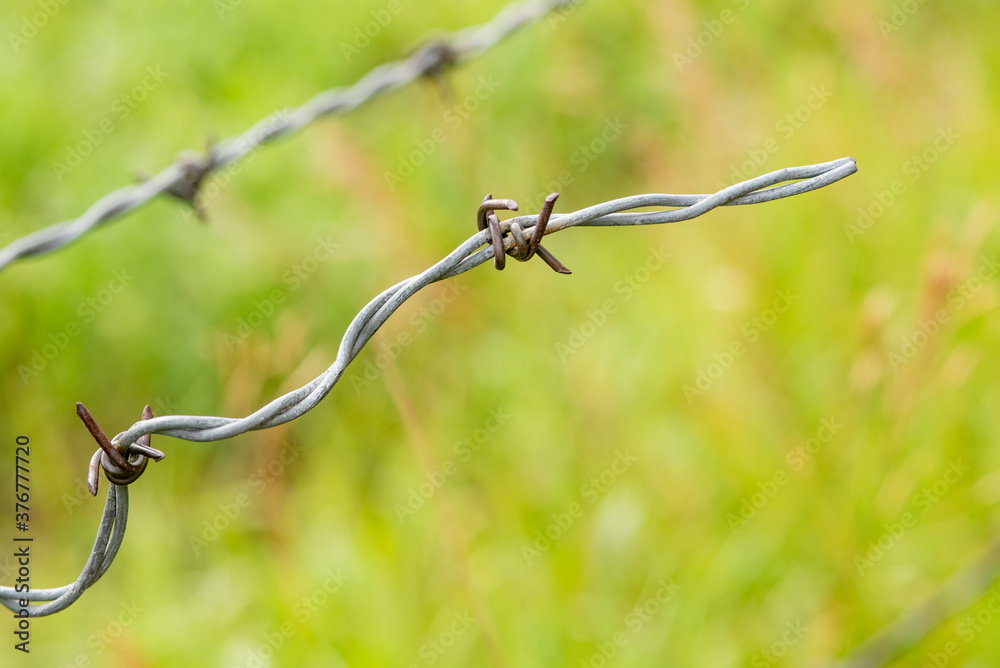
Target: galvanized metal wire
[
  {"x": 184, "y": 176},
  {"x": 110, "y": 533},
  {"x": 476, "y": 250},
  {"x": 469, "y": 255}
]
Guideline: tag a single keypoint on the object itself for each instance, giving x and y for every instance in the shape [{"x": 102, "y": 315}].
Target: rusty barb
[
  {"x": 122, "y": 466},
  {"x": 523, "y": 249},
  {"x": 437, "y": 58},
  {"x": 194, "y": 169}
]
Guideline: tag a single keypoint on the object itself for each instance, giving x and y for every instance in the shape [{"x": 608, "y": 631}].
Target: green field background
[{"x": 752, "y": 439}]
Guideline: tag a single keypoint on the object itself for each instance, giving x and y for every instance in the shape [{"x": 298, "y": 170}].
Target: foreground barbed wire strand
[
  {"x": 183, "y": 178},
  {"x": 468, "y": 255},
  {"x": 110, "y": 532}
]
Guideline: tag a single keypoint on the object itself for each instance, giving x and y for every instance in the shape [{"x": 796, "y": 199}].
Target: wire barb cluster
[
  {"x": 122, "y": 465},
  {"x": 524, "y": 248},
  {"x": 183, "y": 178}
]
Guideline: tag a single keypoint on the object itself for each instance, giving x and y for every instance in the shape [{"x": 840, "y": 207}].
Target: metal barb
[
  {"x": 441, "y": 57},
  {"x": 122, "y": 466},
  {"x": 196, "y": 169},
  {"x": 102, "y": 439},
  {"x": 524, "y": 249},
  {"x": 543, "y": 222},
  {"x": 142, "y": 446},
  {"x": 538, "y": 232},
  {"x": 94, "y": 472},
  {"x": 551, "y": 260},
  {"x": 486, "y": 218}
]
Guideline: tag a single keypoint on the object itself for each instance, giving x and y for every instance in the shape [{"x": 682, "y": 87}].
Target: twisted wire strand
[
  {"x": 110, "y": 533},
  {"x": 468, "y": 255},
  {"x": 459, "y": 47}
]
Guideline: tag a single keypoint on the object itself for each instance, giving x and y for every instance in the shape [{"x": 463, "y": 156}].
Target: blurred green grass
[{"x": 334, "y": 506}]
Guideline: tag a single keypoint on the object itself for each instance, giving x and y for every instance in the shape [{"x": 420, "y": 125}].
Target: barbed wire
[
  {"x": 469, "y": 255},
  {"x": 110, "y": 533},
  {"x": 125, "y": 456},
  {"x": 184, "y": 177}
]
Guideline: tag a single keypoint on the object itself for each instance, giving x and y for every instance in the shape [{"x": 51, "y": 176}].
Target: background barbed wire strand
[{"x": 184, "y": 175}]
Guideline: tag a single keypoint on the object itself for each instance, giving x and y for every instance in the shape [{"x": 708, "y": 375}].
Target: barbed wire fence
[{"x": 125, "y": 457}]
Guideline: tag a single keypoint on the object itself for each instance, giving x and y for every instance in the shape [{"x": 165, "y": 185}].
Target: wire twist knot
[
  {"x": 122, "y": 466},
  {"x": 524, "y": 248}
]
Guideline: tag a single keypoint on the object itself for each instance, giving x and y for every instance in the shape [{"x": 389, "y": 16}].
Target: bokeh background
[{"x": 399, "y": 523}]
